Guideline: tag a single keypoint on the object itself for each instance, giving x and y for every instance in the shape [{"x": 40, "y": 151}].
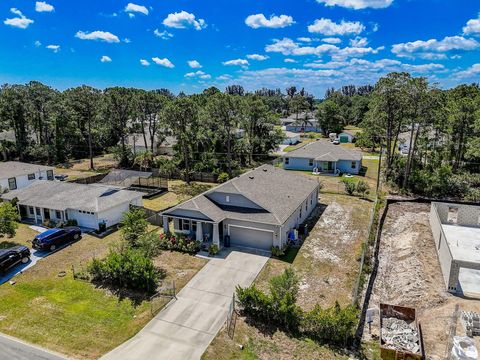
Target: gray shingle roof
[
  {"x": 324, "y": 150},
  {"x": 278, "y": 191},
  {"x": 10, "y": 169},
  {"x": 63, "y": 195}
]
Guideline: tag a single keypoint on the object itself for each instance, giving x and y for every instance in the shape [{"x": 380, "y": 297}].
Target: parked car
[
  {"x": 336, "y": 142},
  {"x": 54, "y": 238},
  {"x": 13, "y": 256},
  {"x": 61, "y": 177}
]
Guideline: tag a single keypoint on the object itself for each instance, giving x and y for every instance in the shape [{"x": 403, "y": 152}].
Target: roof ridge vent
[
  {"x": 265, "y": 169},
  {"x": 251, "y": 177}
]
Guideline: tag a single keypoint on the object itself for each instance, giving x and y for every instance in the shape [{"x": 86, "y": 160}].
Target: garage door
[{"x": 252, "y": 238}]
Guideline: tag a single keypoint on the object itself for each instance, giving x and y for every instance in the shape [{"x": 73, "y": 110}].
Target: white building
[
  {"x": 18, "y": 175},
  {"x": 89, "y": 205}
]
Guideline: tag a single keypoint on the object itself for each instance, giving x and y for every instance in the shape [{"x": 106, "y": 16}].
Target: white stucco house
[
  {"x": 291, "y": 138},
  {"x": 258, "y": 209},
  {"x": 89, "y": 205},
  {"x": 18, "y": 175}
]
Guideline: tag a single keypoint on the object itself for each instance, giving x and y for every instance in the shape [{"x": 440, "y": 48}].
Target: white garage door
[{"x": 252, "y": 238}]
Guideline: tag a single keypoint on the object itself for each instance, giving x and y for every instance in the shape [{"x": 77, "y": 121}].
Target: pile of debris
[
  {"x": 400, "y": 335},
  {"x": 471, "y": 323}
]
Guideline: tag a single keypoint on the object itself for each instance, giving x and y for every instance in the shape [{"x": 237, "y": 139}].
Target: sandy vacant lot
[{"x": 409, "y": 274}]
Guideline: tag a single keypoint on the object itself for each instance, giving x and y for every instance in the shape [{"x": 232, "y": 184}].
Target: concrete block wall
[{"x": 468, "y": 215}]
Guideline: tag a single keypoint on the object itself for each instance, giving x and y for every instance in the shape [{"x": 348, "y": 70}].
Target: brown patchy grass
[
  {"x": 74, "y": 317},
  {"x": 24, "y": 236},
  {"x": 178, "y": 192}
]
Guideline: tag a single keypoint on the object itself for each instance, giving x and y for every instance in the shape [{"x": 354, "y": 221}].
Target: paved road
[
  {"x": 14, "y": 349},
  {"x": 185, "y": 328}
]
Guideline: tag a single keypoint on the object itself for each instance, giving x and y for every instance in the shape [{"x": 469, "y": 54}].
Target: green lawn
[{"x": 74, "y": 317}]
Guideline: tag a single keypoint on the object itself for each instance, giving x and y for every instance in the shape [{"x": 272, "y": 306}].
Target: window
[
  {"x": 58, "y": 215},
  {"x": 184, "y": 225},
  {"x": 49, "y": 174},
  {"x": 300, "y": 212},
  {"x": 12, "y": 183},
  {"x": 354, "y": 164},
  {"x": 30, "y": 210},
  {"x": 310, "y": 162},
  {"x": 194, "y": 227},
  {"x": 287, "y": 161},
  {"x": 227, "y": 198},
  {"x": 31, "y": 176}
]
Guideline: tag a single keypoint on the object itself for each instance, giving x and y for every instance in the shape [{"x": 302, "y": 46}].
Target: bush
[
  {"x": 362, "y": 188},
  {"x": 8, "y": 219},
  {"x": 223, "y": 177},
  {"x": 129, "y": 269},
  {"x": 350, "y": 186},
  {"x": 150, "y": 244},
  {"x": 213, "y": 249},
  {"x": 179, "y": 242},
  {"x": 277, "y": 251},
  {"x": 72, "y": 222},
  {"x": 134, "y": 225}
]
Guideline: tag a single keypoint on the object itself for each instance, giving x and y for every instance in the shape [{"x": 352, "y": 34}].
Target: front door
[{"x": 46, "y": 214}]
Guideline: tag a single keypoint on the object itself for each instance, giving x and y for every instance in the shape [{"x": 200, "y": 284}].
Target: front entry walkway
[{"x": 185, "y": 328}]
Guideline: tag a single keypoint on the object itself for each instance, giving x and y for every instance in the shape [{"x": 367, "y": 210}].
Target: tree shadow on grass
[
  {"x": 137, "y": 297},
  {"x": 6, "y": 244}
]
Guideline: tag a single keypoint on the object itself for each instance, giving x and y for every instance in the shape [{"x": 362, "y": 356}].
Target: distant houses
[
  {"x": 302, "y": 122},
  {"x": 324, "y": 157}
]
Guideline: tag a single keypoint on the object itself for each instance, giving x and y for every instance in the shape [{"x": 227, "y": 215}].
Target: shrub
[
  {"x": 129, "y": 269},
  {"x": 179, "y": 242},
  {"x": 8, "y": 219},
  {"x": 350, "y": 186},
  {"x": 213, "y": 249},
  {"x": 150, "y": 244},
  {"x": 223, "y": 177},
  {"x": 362, "y": 188},
  {"x": 277, "y": 251},
  {"x": 134, "y": 225},
  {"x": 72, "y": 222}
]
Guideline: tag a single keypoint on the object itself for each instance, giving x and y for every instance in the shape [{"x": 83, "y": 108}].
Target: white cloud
[
  {"x": 54, "y": 48},
  {"x": 105, "y": 58},
  {"x": 42, "y": 6},
  {"x": 330, "y": 28},
  {"x": 434, "y": 49},
  {"x": 163, "y": 62},
  {"x": 131, "y": 15},
  {"x": 236, "y": 62},
  {"x": 257, "y": 57},
  {"x": 184, "y": 20},
  {"x": 134, "y": 8},
  {"x": 259, "y": 20},
  {"x": 194, "y": 64},
  {"x": 288, "y": 60},
  {"x": 199, "y": 74},
  {"x": 472, "y": 71},
  {"x": 21, "y": 21},
  {"x": 472, "y": 27},
  {"x": 332, "y": 40},
  {"x": 144, "y": 62},
  {"x": 358, "y": 4},
  {"x": 98, "y": 35},
  {"x": 305, "y": 39},
  {"x": 224, "y": 77},
  {"x": 359, "y": 42},
  {"x": 127, "y": 41},
  {"x": 37, "y": 43},
  {"x": 165, "y": 35}
]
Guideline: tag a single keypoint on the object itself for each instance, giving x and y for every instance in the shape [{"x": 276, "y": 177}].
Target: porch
[
  {"x": 207, "y": 232},
  {"x": 38, "y": 215},
  {"x": 325, "y": 167}
]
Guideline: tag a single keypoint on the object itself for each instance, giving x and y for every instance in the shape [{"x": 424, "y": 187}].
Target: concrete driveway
[
  {"x": 15, "y": 349},
  {"x": 185, "y": 328}
]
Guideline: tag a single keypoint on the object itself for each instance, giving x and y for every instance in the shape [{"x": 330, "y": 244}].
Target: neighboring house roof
[
  {"x": 11, "y": 169},
  {"x": 275, "y": 190},
  {"x": 64, "y": 195},
  {"x": 324, "y": 151},
  {"x": 121, "y": 177}
]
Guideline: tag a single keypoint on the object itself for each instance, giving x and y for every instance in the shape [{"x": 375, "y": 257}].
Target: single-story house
[
  {"x": 304, "y": 122},
  {"x": 325, "y": 157},
  {"x": 258, "y": 209},
  {"x": 17, "y": 175},
  {"x": 166, "y": 147},
  {"x": 291, "y": 138},
  {"x": 89, "y": 205}
]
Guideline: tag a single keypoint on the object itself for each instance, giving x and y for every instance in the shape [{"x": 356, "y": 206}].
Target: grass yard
[
  {"x": 74, "y": 317},
  {"x": 78, "y": 169},
  {"x": 24, "y": 236},
  {"x": 299, "y": 145},
  {"x": 327, "y": 264},
  {"x": 178, "y": 191}
]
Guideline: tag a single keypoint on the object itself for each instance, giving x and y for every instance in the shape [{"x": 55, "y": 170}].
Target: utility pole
[{"x": 379, "y": 167}]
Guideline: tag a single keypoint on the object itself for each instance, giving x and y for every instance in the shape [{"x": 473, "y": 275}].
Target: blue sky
[{"x": 187, "y": 45}]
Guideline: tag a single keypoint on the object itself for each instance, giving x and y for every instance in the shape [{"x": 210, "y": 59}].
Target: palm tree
[{"x": 144, "y": 160}]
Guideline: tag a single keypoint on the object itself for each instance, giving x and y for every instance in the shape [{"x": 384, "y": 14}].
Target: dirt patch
[{"x": 409, "y": 274}]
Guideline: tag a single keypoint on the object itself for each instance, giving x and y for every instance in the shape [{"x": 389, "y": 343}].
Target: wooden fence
[
  {"x": 90, "y": 179},
  {"x": 153, "y": 217}
]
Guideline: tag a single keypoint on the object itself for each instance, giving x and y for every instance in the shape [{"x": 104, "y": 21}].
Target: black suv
[
  {"x": 54, "y": 238},
  {"x": 12, "y": 256}
]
